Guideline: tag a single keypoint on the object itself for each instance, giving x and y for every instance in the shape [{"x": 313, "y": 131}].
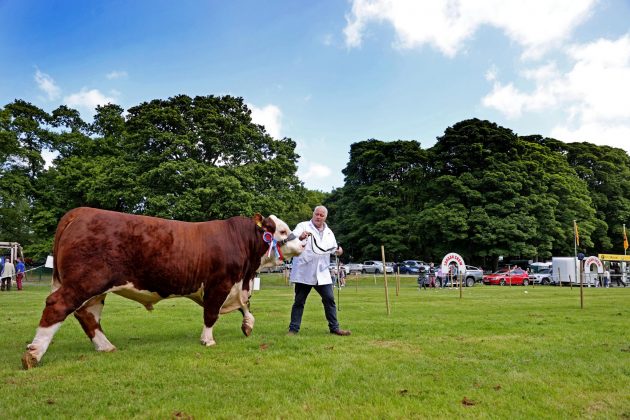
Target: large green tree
[
  {"x": 504, "y": 196},
  {"x": 24, "y": 134},
  {"x": 378, "y": 198},
  {"x": 606, "y": 171},
  {"x": 185, "y": 158},
  {"x": 481, "y": 191}
]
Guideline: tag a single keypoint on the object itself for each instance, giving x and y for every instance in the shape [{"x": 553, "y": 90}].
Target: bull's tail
[{"x": 65, "y": 221}]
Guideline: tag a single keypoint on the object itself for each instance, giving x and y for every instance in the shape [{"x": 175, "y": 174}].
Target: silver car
[
  {"x": 354, "y": 267},
  {"x": 376, "y": 267},
  {"x": 544, "y": 277}
]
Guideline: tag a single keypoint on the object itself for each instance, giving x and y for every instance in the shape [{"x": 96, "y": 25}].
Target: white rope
[{"x": 31, "y": 269}]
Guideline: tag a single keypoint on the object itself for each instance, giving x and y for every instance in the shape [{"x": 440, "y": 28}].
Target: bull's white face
[
  {"x": 289, "y": 250},
  {"x": 292, "y": 248}
]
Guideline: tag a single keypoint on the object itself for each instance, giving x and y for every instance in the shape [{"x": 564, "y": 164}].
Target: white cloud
[
  {"x": 269, "y": 116},
  {"x": 47, "y": 84},
  {"x": 447, "y": 24},
  {"x": 594, "y": 93},
  {"x": 315, "y": 171},
  {"x": 116, "y": 75},
  {"x": 597, "y": 133},
  {"x": 87, "y": 100},
  {"x": 512, "y": 103},
  {"x": 492, "y": 73}
]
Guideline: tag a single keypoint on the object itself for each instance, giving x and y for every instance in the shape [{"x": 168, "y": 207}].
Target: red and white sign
[{"x": 453, "y": 258}]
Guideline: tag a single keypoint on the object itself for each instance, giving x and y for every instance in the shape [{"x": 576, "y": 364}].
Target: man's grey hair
[{"x": 322, "y": 208}]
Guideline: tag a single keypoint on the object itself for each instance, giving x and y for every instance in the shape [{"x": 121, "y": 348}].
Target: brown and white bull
[{"x": 148, "y": 259}]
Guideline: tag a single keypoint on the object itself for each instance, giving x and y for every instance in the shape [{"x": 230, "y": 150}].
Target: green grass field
[{"x": 498, "y": 352}]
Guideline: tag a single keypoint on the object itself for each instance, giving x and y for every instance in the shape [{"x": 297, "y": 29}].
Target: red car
[{"x": 516, "y": 276}]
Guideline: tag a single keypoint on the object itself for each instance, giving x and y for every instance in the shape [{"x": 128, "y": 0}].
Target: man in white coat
[{"x": 310, "y": 270}]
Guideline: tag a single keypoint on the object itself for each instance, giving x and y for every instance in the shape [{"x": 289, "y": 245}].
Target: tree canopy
[{"x": 481, "y": 191}]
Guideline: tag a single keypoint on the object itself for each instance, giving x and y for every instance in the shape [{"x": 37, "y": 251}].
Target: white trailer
[{"x": 566, "y": 270}]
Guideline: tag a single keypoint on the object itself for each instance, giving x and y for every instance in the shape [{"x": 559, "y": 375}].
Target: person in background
[
  {"x": 453, "y": 273},
  {"x": 20, "y": 270},
  {"x": 440, "y": 276},
  {"x": 431, "y": 275},
  {"x": 606, "y": 278},
  {"x": 422, "y": 277},
  {"x": 310, "y": 270},
  {"x": 615, "y": 269},
  {"x": 342, "y": 275},
  {"x": 8, "y": 273}
]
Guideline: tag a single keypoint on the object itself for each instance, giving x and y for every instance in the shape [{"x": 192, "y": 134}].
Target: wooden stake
[
  {"x": 581, "y": 285},
  {"x": 385, "y": 277}
]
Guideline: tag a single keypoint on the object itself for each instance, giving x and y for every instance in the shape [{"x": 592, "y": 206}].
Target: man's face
[{"x": 319, "y": 217}]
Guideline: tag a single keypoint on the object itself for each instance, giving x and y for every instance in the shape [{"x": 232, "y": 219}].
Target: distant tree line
[
  {"x": 481, "y": 190},
  {"x": 484, "y": 192}
]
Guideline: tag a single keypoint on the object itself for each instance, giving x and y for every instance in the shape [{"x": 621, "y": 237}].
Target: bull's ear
[
  {"x": 258, "y": 219},
  {"x": 269, "y": 225}
]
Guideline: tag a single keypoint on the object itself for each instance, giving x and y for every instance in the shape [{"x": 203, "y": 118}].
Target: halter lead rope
[{"x": 324, "y": 251}]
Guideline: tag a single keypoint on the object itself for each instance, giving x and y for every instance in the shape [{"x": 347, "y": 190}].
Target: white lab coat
[
  {"x": 9, "y": 270},
  {"x": 311, "y": 267}
]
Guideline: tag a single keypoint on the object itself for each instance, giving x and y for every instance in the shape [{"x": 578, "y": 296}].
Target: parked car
[
  {"x": 471, "y": 276},
  {"x": 354, "y": 267},
  {"x": 375, "y": 267},
  {"x": 412, "y": 266},
  {"x": 544, "y": 277},
  {"x": 516, "y": 276},
  {"x": 407, "y": 267}
]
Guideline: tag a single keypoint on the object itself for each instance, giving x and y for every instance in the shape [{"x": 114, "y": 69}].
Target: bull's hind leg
[
  {"x": 248, "y": 320},
  {"x": 59, "y": 305},
  {"x": 89, "y": 316}
]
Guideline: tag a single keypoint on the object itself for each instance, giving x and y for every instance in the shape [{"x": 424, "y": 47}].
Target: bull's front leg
[
  {"x": 212, "y": 301},
  {"x": 239, "y": 299},
  {"x": 206, "y": 337}
]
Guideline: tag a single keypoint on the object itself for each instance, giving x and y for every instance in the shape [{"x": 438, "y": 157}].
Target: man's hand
[
  {"x": 339, "y": 251},
  {"x": 304, "y": 235}
]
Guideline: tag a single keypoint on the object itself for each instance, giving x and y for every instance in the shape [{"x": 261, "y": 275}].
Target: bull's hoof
[
  {"x": 247, "y": 330},
  {"x": 208, "y": 343},
  {"x": 28, "y": 361}
]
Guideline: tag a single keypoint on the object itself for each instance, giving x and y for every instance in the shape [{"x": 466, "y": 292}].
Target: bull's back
[
  {"x": 98, "y": 246},
  {"x": 104, "y": 249}
]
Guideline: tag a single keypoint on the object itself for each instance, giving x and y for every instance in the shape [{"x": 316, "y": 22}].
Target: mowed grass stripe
[{"x": 498, "y": 352}]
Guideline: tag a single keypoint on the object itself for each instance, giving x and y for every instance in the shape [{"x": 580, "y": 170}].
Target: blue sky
[{"x": 331, "y": 73}]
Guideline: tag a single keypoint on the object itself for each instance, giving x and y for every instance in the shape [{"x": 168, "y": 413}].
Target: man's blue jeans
[{"x": 328, "y": 299}]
